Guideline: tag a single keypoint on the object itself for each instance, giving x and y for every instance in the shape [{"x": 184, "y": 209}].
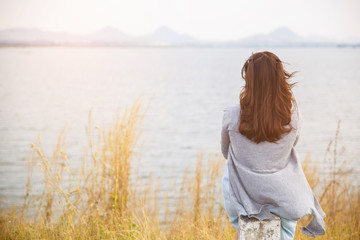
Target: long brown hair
[{"x": 266, "y": 99}]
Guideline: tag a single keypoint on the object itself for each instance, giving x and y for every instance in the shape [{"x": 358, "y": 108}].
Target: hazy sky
[{"x": 204, "y": 19}]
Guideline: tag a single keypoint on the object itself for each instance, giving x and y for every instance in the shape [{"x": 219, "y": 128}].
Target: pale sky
[{"x": 203, "y": 19}]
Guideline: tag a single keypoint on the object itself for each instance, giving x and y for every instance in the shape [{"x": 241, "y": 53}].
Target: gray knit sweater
[{"x": 268, "y": 174}]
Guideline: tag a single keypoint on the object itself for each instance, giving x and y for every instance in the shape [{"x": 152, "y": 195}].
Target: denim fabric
[{"x": 288, "y": 226}]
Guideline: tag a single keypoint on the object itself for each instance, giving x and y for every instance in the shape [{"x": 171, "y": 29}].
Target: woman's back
[
  {"x": 263, "y": 157},
  {"x": 258, "y": 137}
]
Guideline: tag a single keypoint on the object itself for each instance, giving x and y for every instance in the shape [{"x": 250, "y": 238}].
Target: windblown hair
[{"x": 266, "y": 99}]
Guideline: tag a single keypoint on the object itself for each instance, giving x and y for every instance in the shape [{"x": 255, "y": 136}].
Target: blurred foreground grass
[{"x": 104, "y": 199}]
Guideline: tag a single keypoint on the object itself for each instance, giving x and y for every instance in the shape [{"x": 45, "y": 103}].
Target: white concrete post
[{"x": 260, "y": 230}]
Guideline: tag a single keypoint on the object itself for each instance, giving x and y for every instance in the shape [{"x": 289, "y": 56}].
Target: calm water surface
[{"x": 43, "y": 90}]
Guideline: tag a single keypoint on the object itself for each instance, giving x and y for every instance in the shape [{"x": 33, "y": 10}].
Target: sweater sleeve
[
  {"x": 225, "y": 139},
  {"x": 298, "y": 126}
]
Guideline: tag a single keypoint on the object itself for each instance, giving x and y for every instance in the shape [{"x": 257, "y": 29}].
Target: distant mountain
[
  {"x": 107, "y": 34},
  {"x": 282, "y": 36},
  {"x": 163, "y": 36},
  {"x": 351, "y": 40},
  {"x": 32, "y": 35},
  {"x": 279, "y": 37},
  {"x": 35, "y": 36}
]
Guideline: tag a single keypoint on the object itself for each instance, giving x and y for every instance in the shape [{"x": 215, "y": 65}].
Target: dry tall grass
[
  {"x": 104, "y": 201},
  {"x": 338, "y": 193}
]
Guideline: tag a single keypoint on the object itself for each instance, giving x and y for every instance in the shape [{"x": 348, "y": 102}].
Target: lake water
[{"x": 43, "y": 90}]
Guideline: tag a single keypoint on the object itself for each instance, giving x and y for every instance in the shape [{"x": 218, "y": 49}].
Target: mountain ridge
[{"x": 162, "y": 36}]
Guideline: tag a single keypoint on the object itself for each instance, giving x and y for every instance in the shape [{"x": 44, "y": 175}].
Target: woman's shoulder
[
  {"x": 231, "y": 114},
  {"x": 295, "y": 112},
  {"x": 296, "y": 118},
  {"x": 231, "y": 108}
]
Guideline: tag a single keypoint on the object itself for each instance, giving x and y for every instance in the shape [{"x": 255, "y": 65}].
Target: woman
[{"x": 263, "y": 172}]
